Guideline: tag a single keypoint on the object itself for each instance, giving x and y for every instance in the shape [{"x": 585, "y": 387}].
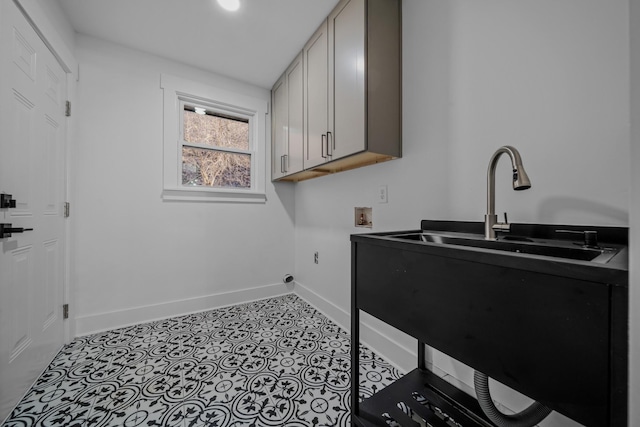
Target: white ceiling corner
[{"x": 253, "y": 45}]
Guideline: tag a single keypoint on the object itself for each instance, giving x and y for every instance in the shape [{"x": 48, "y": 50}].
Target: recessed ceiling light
[{"x": 231, "y": 5}]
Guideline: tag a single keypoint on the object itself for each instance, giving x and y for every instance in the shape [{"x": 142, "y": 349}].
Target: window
[
  {"x": 213, "y": 143},
  {"x": 215, "y": 149}
]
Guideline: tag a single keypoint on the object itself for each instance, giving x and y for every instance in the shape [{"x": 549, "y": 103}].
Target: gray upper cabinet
[
  {"x": 347, "y": 81},
  {"x": 287, "y": 122},
  {"x": 352, "y": 109},
  {"x": 316, "y": 103},
  {"x": 279, "y": 124},
  {"x": 295, "y": 100}
]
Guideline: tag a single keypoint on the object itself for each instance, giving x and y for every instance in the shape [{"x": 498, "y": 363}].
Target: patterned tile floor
[{"x": 274, "y": 362}]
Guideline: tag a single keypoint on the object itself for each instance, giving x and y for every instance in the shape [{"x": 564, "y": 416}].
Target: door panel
[
  {"x": 347, "y": 32},
  {"x": 51, "y": 283},
  {"x": 51, "y": 151},
  {"x": 32, "y": 170},
  {"x": 20, "y": 282},
  {"x": 279, "y": 133},
  {"x": 18, "y": 146},
  {"x": 315, "y": 98},
  {"x": 24, "y": 54},
  {"x": 295, "y": 100}
]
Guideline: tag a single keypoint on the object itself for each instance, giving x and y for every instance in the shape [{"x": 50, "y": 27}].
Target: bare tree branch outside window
[{"x": 215, "y": 166}]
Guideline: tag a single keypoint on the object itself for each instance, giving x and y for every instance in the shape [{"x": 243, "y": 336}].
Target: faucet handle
[
  {"x": 504, "y": 227},
  {"x": 590, "y": 237}
]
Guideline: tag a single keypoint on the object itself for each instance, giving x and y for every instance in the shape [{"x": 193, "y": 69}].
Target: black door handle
[
  {"x": 6, "y": 230},
  {"x": 6, "y": 201}
]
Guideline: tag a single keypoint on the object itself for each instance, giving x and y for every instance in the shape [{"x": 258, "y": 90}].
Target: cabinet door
[
  {"x": 315, "y": 98},
  {"x": 347, "y": 63},
  {"x": 279, "y": 128},
  {"x": 295, "y": 97}
]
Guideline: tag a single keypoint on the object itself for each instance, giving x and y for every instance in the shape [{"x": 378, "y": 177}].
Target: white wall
[
  {"x": 634, "y": 297},
  {"x": 137, "y": 257},
  {"x": 550, "y": 78}
]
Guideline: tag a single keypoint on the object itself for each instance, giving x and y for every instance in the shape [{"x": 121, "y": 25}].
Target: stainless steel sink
[{"x": 555, "y": 249}]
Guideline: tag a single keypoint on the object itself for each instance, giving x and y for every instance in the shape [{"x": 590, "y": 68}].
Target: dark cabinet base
[
  {"x": 426, "y": 395},
  {"x": 553, "y": 330}
]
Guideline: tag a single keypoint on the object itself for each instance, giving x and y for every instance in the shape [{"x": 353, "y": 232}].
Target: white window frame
[{"x": 178, "y": 92}]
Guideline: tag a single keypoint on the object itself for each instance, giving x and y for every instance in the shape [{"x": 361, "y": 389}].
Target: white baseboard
[
  {"x": 100, "y": 322},
  {"x": 397, "y": 354}
]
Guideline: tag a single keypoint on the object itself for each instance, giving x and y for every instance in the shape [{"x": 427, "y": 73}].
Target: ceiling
[{"x": 254, "y": 44}]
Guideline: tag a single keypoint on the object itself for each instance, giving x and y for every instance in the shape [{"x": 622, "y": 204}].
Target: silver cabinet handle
[
  {"x": 285, "y": 160},
  {"x": 331, "y": 145},
  {"x": 323, "y": 140}
]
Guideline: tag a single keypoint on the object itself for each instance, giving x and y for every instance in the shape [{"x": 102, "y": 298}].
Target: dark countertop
[{"x": 614, "y": 272}]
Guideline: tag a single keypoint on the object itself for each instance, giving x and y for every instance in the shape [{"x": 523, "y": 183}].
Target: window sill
[{"x": 213, "y": 195}]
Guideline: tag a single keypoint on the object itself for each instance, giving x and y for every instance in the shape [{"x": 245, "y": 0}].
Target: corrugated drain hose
[{"x": 529, "y": 417}]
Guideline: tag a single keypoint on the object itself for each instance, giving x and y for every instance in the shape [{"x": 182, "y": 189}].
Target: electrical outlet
[
  {"x": 315, "y": 257},
  {"x": 383, "y": 194}
]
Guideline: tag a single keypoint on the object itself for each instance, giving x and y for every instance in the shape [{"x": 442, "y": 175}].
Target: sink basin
[{"x": 556, "y": 249}]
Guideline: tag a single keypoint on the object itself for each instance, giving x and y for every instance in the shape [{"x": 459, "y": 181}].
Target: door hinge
[
  {"x": 67, "y": 209},
  {"x": 65, "y": 311},
  {"x": 67, "y": 108}
]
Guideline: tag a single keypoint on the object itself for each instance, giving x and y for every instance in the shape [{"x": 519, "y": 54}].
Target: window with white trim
[{"x": 214, "y": 146}]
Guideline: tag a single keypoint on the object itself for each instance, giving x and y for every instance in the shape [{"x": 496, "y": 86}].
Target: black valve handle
[
  {"x": 590, "y": 237},
  {"x": 6, "y": 230}
]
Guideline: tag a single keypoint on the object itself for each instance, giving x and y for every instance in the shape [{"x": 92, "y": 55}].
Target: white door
[{"x": 32, "y": 170}]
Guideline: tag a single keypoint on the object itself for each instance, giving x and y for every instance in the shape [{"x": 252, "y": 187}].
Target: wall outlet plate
[{"x": 383, "y": 194}]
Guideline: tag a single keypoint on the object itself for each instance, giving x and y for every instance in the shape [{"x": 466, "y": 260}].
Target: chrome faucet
[{"x": 520, "y": 182}]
